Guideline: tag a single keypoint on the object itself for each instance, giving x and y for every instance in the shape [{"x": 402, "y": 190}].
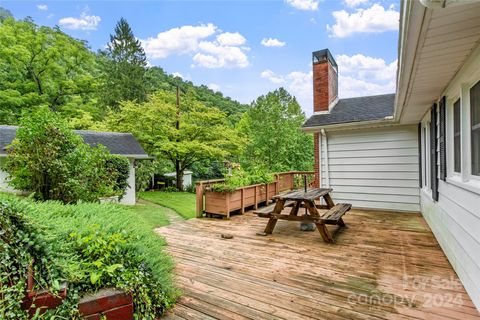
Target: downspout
[{"x": 327, "y": 169}]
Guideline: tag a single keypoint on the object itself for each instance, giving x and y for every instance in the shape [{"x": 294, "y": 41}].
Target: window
[
  {"x": 426, "y": 155},
  {"x": 456, "y": 137},
  {"x": 475, "y": 127}
]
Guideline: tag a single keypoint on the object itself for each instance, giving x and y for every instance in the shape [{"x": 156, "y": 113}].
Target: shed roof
[
  {"x": 117, "y": 143},
  {"x": 355, "y": 110}
]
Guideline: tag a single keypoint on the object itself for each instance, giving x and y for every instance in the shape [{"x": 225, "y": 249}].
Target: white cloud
[
  {"x": 310, "y": 5},
  {"x": 354, "y": 3},
  {"x": 85, "y": 22},
  {"x": 177, "y": 74},
  {"x": 272, "y": 42},
  {"x": 359, "y": 75},
  {"x": 375, "y": 19},
  {"x": 214, "y": 87},
  {"x": 231, "y": 39},
  {"x": 366, "y": 68},
  {"x": 272, "y": 76},
  {"x": 180, "y": 40},
  {"x": 214, "y": 55},
  {"x": 42, "y": 7},
  {"x": 226, "y": 51}
]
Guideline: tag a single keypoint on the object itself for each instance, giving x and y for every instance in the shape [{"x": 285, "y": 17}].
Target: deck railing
[{"x": 284, "y": 181}]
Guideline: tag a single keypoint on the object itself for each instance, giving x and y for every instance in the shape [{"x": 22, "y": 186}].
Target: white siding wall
[
  {"x": 373, "y": 168},
  {"x": 455, "y": 218}
]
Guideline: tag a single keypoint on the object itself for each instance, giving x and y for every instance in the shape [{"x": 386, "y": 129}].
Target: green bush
[
  {"x": 53, "y": 162},
  {"x": 92, "y": 246},
  {"x": 21, "y": 244},
  {"x": 240, "y": 178},
  {"x": 117, "y": 169}
]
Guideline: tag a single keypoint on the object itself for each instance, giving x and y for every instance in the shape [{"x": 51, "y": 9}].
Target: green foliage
[
  {"x": 4, "y": 14},
  {"x": 52, "y": 161},
  {"x": 203, "y": 132},
  {"x": 124, "y": 65},
  {"x": 272, "y": 126},
  {"x": 43, "y": 66},
  {"x": 182, "y": 202},
  {"x": 96, "y": 245},
  {"x": 21, "y": 243},
  {"x": 117, "y": 170},
  {"x": 157, "y": 79},
  {"x": 240, "y": 178}
]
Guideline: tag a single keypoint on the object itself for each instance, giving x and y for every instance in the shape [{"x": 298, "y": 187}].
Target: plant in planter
[{"x": 240, "y": 190}]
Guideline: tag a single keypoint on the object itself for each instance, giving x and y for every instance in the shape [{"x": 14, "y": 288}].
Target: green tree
[
  {"x": 42, "y": 66},
  {"x": 4, "y": 14},
  {"x": 52, "y": 161},
  {"x": 182, "y": 135},
  {"x": 124, "y": 66},
  {"x": 272, "y": 126}
]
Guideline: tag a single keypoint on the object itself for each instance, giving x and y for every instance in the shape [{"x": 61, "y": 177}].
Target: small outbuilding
[
  {"x": 187, "y": 178},
  {"x": 123, "y": 144}
]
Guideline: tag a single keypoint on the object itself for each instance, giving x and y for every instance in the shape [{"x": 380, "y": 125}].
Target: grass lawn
[
  {"x": 150, "y": 214},
  {"x": 182, "y": 202}
]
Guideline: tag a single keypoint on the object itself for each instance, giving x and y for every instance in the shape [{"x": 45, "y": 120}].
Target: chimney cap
[{"x": 322, "y": 56}]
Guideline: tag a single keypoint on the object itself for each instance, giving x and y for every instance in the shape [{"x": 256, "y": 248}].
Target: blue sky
[{"x": 244, "y": 48}]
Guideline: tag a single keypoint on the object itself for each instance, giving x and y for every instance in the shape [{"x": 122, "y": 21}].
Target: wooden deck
[{"x": 384, "y": 266}]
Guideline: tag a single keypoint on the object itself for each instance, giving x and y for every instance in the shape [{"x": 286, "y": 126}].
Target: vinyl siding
[
  {"x": 373, "y": 168},
  {"x": 455, "y": 221},
  {"x": 455, "y": 217}
]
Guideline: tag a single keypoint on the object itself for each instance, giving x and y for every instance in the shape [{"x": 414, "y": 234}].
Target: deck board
[{"x": 295, "y": 275}]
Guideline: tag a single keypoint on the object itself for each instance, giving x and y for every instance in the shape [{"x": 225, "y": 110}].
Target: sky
[{"x": 244, "y": 48}]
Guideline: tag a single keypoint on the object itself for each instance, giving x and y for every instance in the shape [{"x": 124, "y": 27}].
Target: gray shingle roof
[
  {"x": 355, "y": 110},
  {"x": 117, "y": 143}
]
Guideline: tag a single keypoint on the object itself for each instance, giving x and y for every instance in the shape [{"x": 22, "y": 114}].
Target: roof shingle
[
  {"x": 355, "y": 110},
  {"x": 117, "y": 143}
]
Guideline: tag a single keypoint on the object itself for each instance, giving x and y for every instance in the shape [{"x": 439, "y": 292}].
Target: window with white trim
[
  {"x": 475, "y": 129},
  {"x": 426, "y": 154},
  {"x": 457, "y": 154}
]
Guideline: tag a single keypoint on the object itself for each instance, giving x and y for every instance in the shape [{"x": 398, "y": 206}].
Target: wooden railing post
[{"x": 199, "y": 198}]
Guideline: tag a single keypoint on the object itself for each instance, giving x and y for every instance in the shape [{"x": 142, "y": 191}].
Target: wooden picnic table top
[{"x": 300, "y": 194}]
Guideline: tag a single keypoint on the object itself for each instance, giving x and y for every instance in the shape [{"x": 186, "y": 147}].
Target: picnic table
[{"x": 306, "y": 199}]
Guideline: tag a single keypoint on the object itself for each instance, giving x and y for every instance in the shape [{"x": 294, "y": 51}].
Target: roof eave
[{"x": 349, "y": 125}]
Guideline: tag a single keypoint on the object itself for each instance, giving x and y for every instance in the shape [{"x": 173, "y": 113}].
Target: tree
[
  {"x": 272, "y": 126},
  {"x": 124, "y": 66},
  {"x": 52, "y": 161},
  {"x": 42, "y": 66},
  {"x": 182, "y": 134},
  {"x": 4, "y": 14}
]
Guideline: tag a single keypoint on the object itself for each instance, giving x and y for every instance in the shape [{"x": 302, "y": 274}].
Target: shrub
[
  {"x": 240, "y": 178},
  {"x": 21, "y": 244},
  {"x": 52, "y": 161},
  {"x": 117, "y": 169},
  {"x": 91, "y": 246}
]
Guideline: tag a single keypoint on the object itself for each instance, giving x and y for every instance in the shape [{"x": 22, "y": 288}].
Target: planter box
[
  {"x": 223, "y": 203},
  {"x": 109, "y": 303},
  {"x": 43, "y": 300}
]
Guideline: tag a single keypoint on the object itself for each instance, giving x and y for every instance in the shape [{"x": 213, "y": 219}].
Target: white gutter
[{"x": 327, "y": 169}]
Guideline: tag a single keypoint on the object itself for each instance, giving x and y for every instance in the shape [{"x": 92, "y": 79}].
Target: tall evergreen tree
[{"x": 124, "y": 65}]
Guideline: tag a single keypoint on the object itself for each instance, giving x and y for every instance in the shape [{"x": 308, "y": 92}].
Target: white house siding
[
  {"x": 455, "y": 217},
  {"x": 129, "y": 197},
  {"x": 455, "y": 222},
  {"x": 373, "y": 168}
]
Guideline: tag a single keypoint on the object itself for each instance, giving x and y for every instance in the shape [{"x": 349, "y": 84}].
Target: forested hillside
[{"x": 114, "y": 89}]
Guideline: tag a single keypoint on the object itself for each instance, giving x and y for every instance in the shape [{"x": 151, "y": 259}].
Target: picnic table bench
[{"x": 306, "y": 199}]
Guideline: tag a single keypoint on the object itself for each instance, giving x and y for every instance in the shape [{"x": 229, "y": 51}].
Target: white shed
[{"x": 187, "y": 178}]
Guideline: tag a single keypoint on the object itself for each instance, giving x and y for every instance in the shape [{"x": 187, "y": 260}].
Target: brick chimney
[{"x": 325, "y": 80}]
